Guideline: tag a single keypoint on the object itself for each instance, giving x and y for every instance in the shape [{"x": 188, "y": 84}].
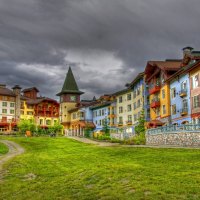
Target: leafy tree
[
  {"x": 140, "y": 128},
  {"x": 56, "y": 128},
  {"x": 26, "y": 125}
]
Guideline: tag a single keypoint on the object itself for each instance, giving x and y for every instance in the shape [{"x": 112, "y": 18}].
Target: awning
[
  {"x": 84, "y": 124},
  {"x": 87, "y": 124},
  {"x": 154, "y": 123}
]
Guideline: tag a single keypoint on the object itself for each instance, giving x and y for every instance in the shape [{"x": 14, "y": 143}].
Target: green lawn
[
  {"x": 3, "y": 148},
  {"x": 59, "y": 168}
]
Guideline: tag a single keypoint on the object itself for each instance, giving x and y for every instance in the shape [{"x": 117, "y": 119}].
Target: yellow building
[
  {"x": 69, "y": 98},
  {"x": 130, "y": 104},
  {"x": 156, "y": 73}
]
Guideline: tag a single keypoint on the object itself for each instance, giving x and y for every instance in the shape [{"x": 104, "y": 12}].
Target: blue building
[
  {"x": 100, "y": 115},
  {"x": 180, "y": 98}
]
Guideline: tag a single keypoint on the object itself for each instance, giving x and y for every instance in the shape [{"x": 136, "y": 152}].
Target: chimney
[
  {"x": 187, "y": 51},
  {"x": 17, "y": 92}
]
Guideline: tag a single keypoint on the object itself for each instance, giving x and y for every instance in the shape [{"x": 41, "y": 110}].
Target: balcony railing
[
  {"x": 155, "y": 103},
  {"x": 183, "y": 93},
  {"x": 184, "y": 111},
  {"x": 129, "y": 122},
  {"x": 154, "y": 88},
  {"x": 175, "y": 128},
  {"x": 120, "y": 123}
]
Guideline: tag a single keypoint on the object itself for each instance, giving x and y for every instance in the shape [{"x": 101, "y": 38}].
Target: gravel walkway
[{"x": 14, "y": 150}]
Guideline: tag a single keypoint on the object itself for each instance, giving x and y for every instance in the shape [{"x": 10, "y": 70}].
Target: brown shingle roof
[{"x": 7, "y": 92}]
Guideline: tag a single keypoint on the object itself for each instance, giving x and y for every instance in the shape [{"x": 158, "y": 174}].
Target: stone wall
[
  {"x": 174, "y": 138},
  {"x": 122, "y": 136}
]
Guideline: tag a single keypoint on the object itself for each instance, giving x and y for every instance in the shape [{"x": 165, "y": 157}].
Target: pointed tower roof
[{"x": 70, "y": 86}]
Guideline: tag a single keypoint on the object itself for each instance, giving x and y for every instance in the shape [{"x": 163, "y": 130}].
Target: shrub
[{"x": 104, "y": 137}]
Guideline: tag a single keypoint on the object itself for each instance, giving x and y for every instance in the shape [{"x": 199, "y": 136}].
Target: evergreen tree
[{"x": 140, "y": 128}]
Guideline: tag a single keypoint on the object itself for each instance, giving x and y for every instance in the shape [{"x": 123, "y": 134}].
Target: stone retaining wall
[
  {"x": 174, "y": 138},
  {"x": 122, "y": 136}
]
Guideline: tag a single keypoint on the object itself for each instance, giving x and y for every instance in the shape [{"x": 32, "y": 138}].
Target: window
[
  {"x": 4, "y": 104},
  {"x": 74, "y": 115},
  {"x": 164, "y": 109},
  {"x": 184, "y": 85},
  {"x": 138, "y": 91},
  {"x": 134, "y": 94},
  {"x": 100, "y": 122},
  {"x": 12, "y": 111},
  {"x": 128, "y": 97},
  {"x": 113, "y": 121},
  {"x": 120, "y": 99},
  {"x": 99, "y": 112},
  {"x": 103, "y": 112},
  {"x": 48, "y": 122},
  {"x": 121, "y": 120},
  {"x": 185, "y": 104},
  {"x": 134, "y": 105},
  {"x": 12, "y": 105},
  {"x": 138, "y": 103},
  {"x": 174, "y": 109},
  {"x": 96, "y": 122},
  {"x": 173, "y": 93},
  {"x": 196, "y": 101},
  {"x": 129, "y": 118},
  {"x": 4, "y": 111},
  {"x": 29, "y": 113},
  {"x": 120, "y": 109},
  {"x": 195, "y": 81},
  {"x": 163, "y": 93},
  {"x": 158, "y": 112},
  {"x": 129, "y": 108},
  {"x": 135, "y": 117}
]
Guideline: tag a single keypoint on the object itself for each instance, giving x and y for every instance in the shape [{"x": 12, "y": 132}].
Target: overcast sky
[{"x": 106, "y": 42}]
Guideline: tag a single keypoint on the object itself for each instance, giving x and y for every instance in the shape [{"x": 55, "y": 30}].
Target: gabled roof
[
  {"x": 39, "y": 100},
  {"x": 168, "y": 65},
  {"x": 70, "y": 86},
  {"x": 30, "y": 89},
  {"x": 137, "y": 78},
  {"x": 124, "y": 91},
  {"x": 184, "y": 69}
]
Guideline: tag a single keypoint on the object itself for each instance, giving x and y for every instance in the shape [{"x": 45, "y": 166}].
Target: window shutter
[{"x": 192, "y": 102}]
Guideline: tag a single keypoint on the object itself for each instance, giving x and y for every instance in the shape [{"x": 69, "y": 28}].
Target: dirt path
[
  {"x": 109, "y": 144},
  {"x": 88, "y": 141},
  {"x": 14, "y": 150}
]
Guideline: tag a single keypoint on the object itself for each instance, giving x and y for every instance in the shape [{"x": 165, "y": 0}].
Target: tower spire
[{"x": 70, "y": 85}]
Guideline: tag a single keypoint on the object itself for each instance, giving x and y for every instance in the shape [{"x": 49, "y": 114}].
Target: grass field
[
  {"x": 59, "y": 168},
  {"x": 3, "y": 149}
]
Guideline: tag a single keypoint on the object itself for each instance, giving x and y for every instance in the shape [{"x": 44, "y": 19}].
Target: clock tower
[{"x": 69, "y": 97}]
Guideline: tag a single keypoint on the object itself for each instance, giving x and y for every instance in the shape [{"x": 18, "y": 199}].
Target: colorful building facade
[{"x": 156, "y": 74}]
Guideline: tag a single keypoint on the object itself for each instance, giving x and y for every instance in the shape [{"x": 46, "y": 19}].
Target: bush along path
[{"x": 14, "y": 150}]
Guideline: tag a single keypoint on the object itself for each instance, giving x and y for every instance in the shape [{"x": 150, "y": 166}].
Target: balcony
[
  {"x": 183, "y": 93},
  {"x": 184, "y": 111},
  {"x": 120, "y": 123},
  {"x": 154, "y": 88},
  {"x": 155, "y": 103},
  {"x": 129, "y": 122}
]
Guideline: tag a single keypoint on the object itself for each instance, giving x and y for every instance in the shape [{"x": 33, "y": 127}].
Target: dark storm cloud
[{"x": 39, "y": 37}]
